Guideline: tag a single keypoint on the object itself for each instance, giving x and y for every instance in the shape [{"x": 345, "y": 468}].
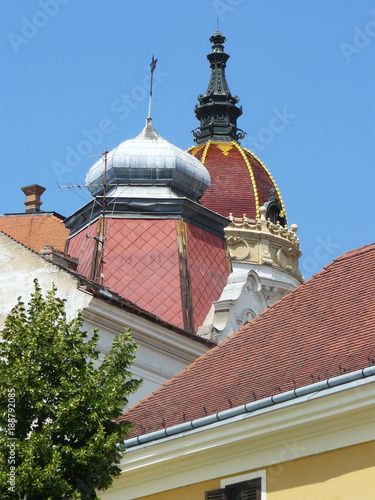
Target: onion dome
[
  {"x": 149, "y": 165},
  {"x": 240, "y": 183}
]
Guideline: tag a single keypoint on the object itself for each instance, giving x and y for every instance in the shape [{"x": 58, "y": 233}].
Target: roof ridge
[
  {"x": 41, "y": 213},
  {"x": 356, "y": 251},
  {"x": 346, "y": 255}
]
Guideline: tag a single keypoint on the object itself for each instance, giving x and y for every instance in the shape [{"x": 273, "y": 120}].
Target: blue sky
[{"x": 75, "y": 85}]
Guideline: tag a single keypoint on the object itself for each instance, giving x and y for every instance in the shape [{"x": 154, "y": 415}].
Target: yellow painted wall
[
  {"x": 345, "y": 474},
  {"x": 193, "y": 492}
]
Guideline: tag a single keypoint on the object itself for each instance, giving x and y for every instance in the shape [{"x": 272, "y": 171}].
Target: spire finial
[
  {"x": 217, "y": 110},
  {"x": 153, "y": 66}
]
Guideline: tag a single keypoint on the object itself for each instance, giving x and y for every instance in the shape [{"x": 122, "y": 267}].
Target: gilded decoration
[
  {"x": 272, "y": 179},
  {"x": 225, "y": 147},
  {"x": 194, "y": 150},
  {"x": 205, "y": 151},
  {"x": 243, "y": 154}
]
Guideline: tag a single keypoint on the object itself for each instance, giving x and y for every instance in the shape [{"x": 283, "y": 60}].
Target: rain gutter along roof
[{"x": 251, "y": 407}]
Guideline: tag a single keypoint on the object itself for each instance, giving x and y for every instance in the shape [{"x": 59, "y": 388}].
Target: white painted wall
[{"x": 19, "y": 266}]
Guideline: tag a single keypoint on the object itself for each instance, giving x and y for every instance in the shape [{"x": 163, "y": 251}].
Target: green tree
[{"x": 65, "y": 443}]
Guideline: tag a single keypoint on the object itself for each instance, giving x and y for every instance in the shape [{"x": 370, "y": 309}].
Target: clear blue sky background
[{"x": 83, "y": 66}]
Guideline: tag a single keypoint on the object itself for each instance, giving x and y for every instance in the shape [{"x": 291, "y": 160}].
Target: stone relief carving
[
  {"x": 238, "y": 248},
  {"x": 245, "y": 317},
  {"x": 251, "y": 285}
]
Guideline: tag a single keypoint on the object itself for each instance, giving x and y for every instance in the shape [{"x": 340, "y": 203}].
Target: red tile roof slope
[
  {"x": 140, "y": 264},
  {"x": 235, "y": 184},
  {"x": 322, "y": 329},
  {"x": 81, "y": 246},
  {"x": 35, "y": 231},
  {"x": 208, "y": 270}
]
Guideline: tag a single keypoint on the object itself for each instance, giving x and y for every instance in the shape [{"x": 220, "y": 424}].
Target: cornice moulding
[
  {"x": 143, "y": 331},
  {"x": 327, "y": 420}
]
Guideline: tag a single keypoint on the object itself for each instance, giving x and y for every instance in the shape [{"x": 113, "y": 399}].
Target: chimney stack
[{"x": 33, "y": 194}]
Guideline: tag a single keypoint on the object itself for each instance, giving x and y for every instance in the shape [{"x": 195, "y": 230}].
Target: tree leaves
[{"x": 67, "y": 444}]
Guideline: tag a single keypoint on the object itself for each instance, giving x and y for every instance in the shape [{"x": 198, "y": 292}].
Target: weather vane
[{"x": 153, "y": 66}]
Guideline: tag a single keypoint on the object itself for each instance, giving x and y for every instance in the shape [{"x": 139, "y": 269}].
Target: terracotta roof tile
[
  {"x": 35, "y": 231},
  {"x": 322, "y": 329}
]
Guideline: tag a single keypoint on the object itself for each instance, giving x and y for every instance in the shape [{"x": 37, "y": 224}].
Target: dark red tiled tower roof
[
  {"x": 322, "y": 329},
  {"x": 240, "y": 183}
]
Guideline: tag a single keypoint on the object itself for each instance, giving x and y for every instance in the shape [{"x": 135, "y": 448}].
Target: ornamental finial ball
[{"x": 262, "y": 211}]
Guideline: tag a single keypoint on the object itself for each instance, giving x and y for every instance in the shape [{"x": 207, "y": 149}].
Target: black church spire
[{"x": 217, "y": 110}]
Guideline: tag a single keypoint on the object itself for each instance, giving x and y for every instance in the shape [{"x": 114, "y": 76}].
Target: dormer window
[{"x": 275, "y": 213}]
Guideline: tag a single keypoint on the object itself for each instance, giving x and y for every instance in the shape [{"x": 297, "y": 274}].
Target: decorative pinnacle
[
  {"x": 218, "y": 40},
  {"x": 217, "y": 110}
]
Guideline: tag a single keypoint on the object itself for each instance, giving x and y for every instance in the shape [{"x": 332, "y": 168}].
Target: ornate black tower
[{"x": 217, "y": 110}]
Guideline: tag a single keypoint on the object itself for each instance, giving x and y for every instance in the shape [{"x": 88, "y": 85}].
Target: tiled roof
[
  {"x": 141, "y": 264},
  {"x": 322, "y": 329},
  {"x": 35, "y": 231},
  {"x": 103, "y": 293},
  {"x": 240, "y": 183},
  {"x": 208, "y": 270}
]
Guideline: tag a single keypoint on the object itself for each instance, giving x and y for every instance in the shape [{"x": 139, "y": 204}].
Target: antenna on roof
[
  {"x": 101, "y": 234},
  {"x": 153, "y": 66}
]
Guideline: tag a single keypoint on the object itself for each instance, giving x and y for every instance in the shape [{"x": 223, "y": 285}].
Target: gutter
[{"x": 250, "y": 407}]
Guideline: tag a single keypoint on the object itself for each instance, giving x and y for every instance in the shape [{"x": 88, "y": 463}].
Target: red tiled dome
[{"x": 240, "y": 183}]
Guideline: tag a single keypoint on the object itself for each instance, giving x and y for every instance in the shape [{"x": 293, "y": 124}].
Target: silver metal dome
[{"x": 149, "y": 165}]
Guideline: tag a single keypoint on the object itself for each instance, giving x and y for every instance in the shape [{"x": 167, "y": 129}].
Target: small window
[
  {"x": 246, "y": 490},
  {"x": 273, "y": 213}
]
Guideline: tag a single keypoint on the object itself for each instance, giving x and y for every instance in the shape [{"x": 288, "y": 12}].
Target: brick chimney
[{"x": 33, "y": 194}]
